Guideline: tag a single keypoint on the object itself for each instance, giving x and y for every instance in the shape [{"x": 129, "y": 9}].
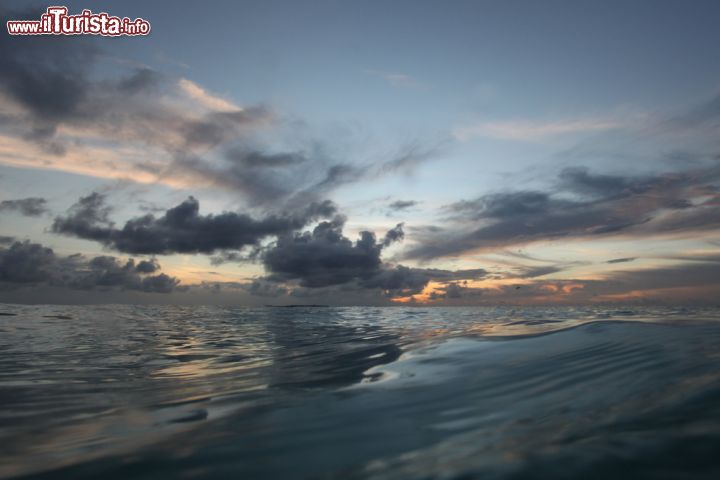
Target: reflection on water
[{"x": 164, "y": 392}]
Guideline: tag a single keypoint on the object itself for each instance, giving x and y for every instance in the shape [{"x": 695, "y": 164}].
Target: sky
[{"x": 364, "y": 153}]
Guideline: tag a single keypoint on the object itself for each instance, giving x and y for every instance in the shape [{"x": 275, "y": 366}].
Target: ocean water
[{"x": 147, "y": 392}]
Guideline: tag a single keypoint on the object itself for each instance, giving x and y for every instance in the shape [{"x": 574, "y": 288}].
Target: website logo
[{"x": 56, "y": 21}]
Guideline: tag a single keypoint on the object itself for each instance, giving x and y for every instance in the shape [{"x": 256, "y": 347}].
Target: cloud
[
  {"x": 47, "y": 78},
  {"x": 263, "y": 288},
  {"x": 325, "y": 257},
  {"x": 401, "y": 280},
  {"x": 144, "y": 126},
  {"x": 692, "y": 282},
  {"x": 58, "y": 112},
  {"x": 182, "y": 229},
  {"x": 622, "y": 260},
  {"x": 205, "y": 98},
  {"x": 377, "y": 287},
  {"x": 393, "y": 235},
  {"x": 142, "y": 79},
  {"x": 405, "y": 161},
  {"x": 401, "y": 205},
  {"x": 148, "y": 266},
  {"x": 296, "y": 263},
  {"x": 30, "y": 207},
  {"x": 291, "y": 178},
  {"x": 580, "y": 205},
  {"x": 524, "y": 130},
  {"x": 454, "y": 291},
  {"x": 26, "y": 263},
  {"x": 51, "y": 87}
]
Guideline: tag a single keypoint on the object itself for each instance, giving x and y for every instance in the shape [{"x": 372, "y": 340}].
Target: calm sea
[{"x": 148, "y": 392}]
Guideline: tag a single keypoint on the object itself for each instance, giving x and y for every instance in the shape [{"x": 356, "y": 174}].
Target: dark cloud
[
  {"x": 398, "y": 280},
  {"x": 31, "y": 206},
  {"x": 580, "y": 180},
  {"x": 395, "y": 234},
  {"x": 157, "y": 284},
  {"x": 147, "y": 266},
  {"x": 87, "y": 219},
  {"x": 321, "y": 258},
  {"x": 376, "y": 288},
  {"x": 622, "y": 260},
  {"x": 265, "y": 289},
  {"x": 260, "y": 185},
  {"x": 216, "y": 128},
  {"x": 402, "y": 280},
  {"x": 409, "y": 158},
  {"x": 405, "y": 161},
  {"x": 581, "y": 204},
  {"x": 325, "y": 257},
  {"x": 49, "y": 77},
  {"x": 400, "y": 205},
  {"x": 26, "y": 263},
  {"x": 693, "y": 282},
  {"x": 454, "y": 291},
  {"x": 503, "y": 205},
  {"x": 235, "y": 257},
  {"x": 254, "y": 159},
  {"x": 141, "y": 80},
  {"x": 337, "y": 175},
  {"x": 107, "y": 271},
  {"x": 285, "y": 179},
  {"x": 55, "y": 81},
  {"x": 193, "y": 139},
  {"x": 182, "y": 229}
]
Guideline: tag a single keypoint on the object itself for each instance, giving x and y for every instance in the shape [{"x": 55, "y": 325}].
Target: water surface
[{"x": 388, "y": 393}]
